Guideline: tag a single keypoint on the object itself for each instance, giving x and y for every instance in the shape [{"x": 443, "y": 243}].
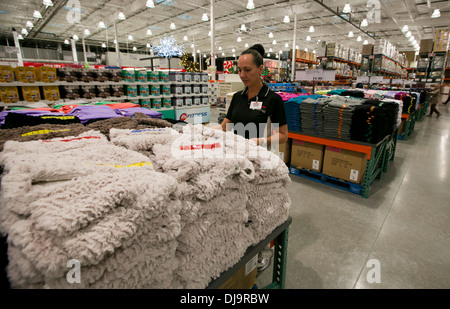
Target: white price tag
[
  {"x": 251, "y": 265},
  {"x": 354, "y": 175},
  {"x": 316, "y": 165}
]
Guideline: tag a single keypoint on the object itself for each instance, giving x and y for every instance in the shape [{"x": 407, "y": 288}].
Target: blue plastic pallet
[{"x": 327, "y": 180}]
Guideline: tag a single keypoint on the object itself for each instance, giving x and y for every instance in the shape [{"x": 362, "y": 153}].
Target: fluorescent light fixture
[
  {"x": 365, "y": 42},
  {"x": 359, "y": 39},
  {"x": 308, "y": 38},
  {"x": 411, "y": 38},
  {"x": 286, "y": 19},
  {"x": 286, "y": 45},
  {"x": 408, "y": 34},
  {"x": 150, "y": 4},
  {"x": 172, "y": 26},
  {"x": 436, "y": 13},
  {"x": 239, "y": 39},
  {"x": 220, "y": 47},
  {"x": 246, "y": 45},
  {"x": 101, "y": 25},
  {"x": 37, "y": 14},
  {"x": 271, "y": 35},
  {"x": 198, "y": 51},
  {"x": 185, "y": 38},
  {"x": 274, "y": 42},
  {"x": 47, "y": 2},
  {"x": 223, "y": 54},
  {"x": 233, "y": 50},
  {"x": 250, "y": 5},
  {"x": 306, "y": 49},
  {"x": 20, "y": 37},
  {"x": 24, "y": 31},
  {"x": 204, "y": 56},
  {"x": 103, "y": 45},
  {"x": 205, "y": 17},
  {"x": 121, "y": 16},
  {"x": 347, "y": 8},
  {"x": 243, "y": 27},
  {"x": 296, "y": 46},
  {"x": 364, "y": 23},
  {"x": 66, "y": 41},
  {"x": 134, "y": 48},
  {"x": 350, "y": 34},
  {"x": 87, "y": 32},
  {"x": 311, "y": 29},
  {"x": 30, "y": 24},
  {"x": 75, "y": 37},
  {"x": 130, "y": 37},
  {"x": 149, "y": 32}
]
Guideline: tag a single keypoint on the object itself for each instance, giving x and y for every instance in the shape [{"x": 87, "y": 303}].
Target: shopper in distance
[{"x": 434, "y": 101}]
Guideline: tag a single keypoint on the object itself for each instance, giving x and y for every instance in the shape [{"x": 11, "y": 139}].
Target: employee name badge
[{"x": 256, "y": 105}]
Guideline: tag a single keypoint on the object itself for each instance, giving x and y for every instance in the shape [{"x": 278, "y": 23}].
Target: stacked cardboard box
[
  {"x": 441, "y": 40},
  {"x": 367, "y": 49},
  {"x": 9, "y": 94},
  {"x": 6, "y": 74},
  {"x": 306, "y": 155},
  {"x": 25, "y": 74},
  {"x": 344, "y": 164},
  {"x": 46, "y": 74},
  {"x": 426, "y": 46}
]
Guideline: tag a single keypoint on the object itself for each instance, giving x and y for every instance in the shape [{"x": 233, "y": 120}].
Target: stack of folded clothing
[
  {"x": 354, "y": 93},
  {"x": 293, "y": 112},
  {"x": 103, "y": 212},
  {"x": 312, "y": 115},
  {"x": 338, "y": 115}
]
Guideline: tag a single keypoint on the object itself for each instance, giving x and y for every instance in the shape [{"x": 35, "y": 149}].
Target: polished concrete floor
[{"x": 397, "y": 238}]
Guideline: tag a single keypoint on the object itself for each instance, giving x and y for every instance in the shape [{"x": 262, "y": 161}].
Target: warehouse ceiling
[{"x": 68, "y": 17}]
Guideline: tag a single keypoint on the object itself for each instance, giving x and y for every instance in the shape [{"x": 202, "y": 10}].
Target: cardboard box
[
  {"x": 51, "y": 93},
  {"x": 6, "y": 74},
  {"x": 307, "y": 155},
  {"x": 9, "y": 94},
  {"x": 426, "y": 46},
  {"x": 31, "y": 93},
  {"x": 46, "y": 74},
  {"x": 367, "y": 49},
  {"x": 244, "y": 278},
  {"x": 285, "y": 151},
  {"x": 25, "y": 74},
  {"x": 344, "y": 164}
]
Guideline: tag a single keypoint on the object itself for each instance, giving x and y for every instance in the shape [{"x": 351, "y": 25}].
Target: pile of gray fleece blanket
[{"x": 145, "y": 208}]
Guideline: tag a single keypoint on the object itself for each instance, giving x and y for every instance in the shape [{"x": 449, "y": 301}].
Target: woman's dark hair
[{"x": 257, "y": 51}]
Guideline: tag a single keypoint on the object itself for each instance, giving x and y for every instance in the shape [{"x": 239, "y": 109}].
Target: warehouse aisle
[{"x": 402, "y": 229}]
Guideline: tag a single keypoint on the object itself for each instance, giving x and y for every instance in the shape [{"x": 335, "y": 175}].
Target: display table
[
  {"x": 378, "y": 155},
  {"x": 280, "y": 235}
]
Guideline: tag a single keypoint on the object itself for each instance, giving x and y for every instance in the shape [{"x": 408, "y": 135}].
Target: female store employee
[{"x": 256, "y": 105}]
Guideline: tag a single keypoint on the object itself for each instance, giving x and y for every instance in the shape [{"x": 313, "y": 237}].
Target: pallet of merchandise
[{"x": 327, "y": 180}]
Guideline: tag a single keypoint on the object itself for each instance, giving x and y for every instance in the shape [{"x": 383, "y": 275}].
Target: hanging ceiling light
[
  {"x": 359, "y": 39},
  {"x": 364, "y": 23},
  {"x": 311, "y": 29},
  {"x": 130, "y": 37},
  {"x": 314, "y": 52},
  {"x": 75, "y": 37},
  {"x": 185, "y": 38},
  {"x": 172, "y": 26},
  {"x": 47, "y": 3},
  {"x": 408, "y": 34},
  {"x": 246, "y": 45},
  {"x": 149, "y": 32},
  {"x": 101, "y": 25},
  {"x": 209, "y": 33},
  {"x": 192, "y": 45},
  {"x": 24, "y": 31},
  {"x": 268, "y": 55},
  {"x": 20, "y": 37},
  {"x": 274, "y": 42},
  {"x": 350, "y": 34},
  {"x": 436, "y": 13},
  {"x": 205, "y": 17},
  {"x": 103, "y": 45},
  {"x": 233, "y": 50},
  {"x": 270, "y": 50},
  {"x": 296, "y": 46},
  {"x": 286, "y": 45},
  {"x": 121, "y": 16},
  {"x": 271, "y": 35},
  {"x": 150, "y": 4},
  {"x": 223, "y": 54},
  {"x": 134, "y": 48},
  {"x": 306, "y": 49},
  {"x": 365, "y": 42},
  {"x": 86, "y": 32},
  {"x": 405, "y": 28},
  {"x": 280, "y": 52},
  {"x": 66, "y": 41},
  {"x": 148, "y": 45},
  {"x": 220, "y": 47},
  {"x": 243, "y": 27},
  {"x": 239, "y": 39},
  {"x": 308, "y": 38},
  {"x": 29, "y": 24},
  {"x": 234, "y": 55},
  {"x": 347, "y": 9},
  {"x": 198, "y": 51},
  {"x": 250, "y": 5},
  {"x": 286, "y": 19},
  {"x": 37, "y": 14}
]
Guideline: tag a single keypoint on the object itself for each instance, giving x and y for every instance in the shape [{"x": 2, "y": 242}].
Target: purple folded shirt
[
  {"x": 127, "y": 112},
  {"x": 88, "y": 112}
]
